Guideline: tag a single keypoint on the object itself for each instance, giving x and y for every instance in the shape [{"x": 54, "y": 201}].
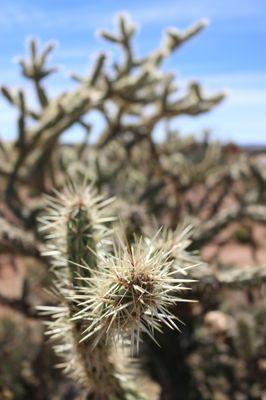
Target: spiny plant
[
  {"x": 109, "y": 291},
  {"x": 217, "y": 186},
  {"x": 132, "y": 96}
]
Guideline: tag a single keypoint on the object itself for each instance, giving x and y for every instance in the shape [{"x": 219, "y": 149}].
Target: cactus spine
[{"x": 109, "y": 290}]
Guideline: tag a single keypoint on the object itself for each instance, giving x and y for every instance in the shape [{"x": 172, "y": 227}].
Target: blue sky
[{"x": 230, "y": 54}]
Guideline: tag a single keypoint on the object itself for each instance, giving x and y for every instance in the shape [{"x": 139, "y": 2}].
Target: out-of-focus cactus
[{"x": 130, "y": 88}]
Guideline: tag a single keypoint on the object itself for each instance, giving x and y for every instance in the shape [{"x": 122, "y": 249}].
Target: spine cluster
[{"x": 109, "y": 291}]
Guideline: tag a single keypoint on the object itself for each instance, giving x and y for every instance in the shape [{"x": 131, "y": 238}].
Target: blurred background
[
  {"x": 229, "y": 55},
  {"x": 172, "y": 123}
]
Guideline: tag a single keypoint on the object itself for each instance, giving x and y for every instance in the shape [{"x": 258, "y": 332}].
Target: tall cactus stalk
[{"x": 108, "y": 290}]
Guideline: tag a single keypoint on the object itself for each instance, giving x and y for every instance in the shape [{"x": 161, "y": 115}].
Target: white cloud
[
  {"x": 248, "y": 97},
  {"x": 242, "y": 78},
  {"x": 193, "y": 9},
  {"x": 82, "y": 16},
  {"x": 33, "y": 15}
]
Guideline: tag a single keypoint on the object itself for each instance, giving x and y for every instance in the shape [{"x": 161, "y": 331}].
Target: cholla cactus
[
  {"x": 75, "y": 223},
  {"x": 132, "y": 292},
  {"x": 171, "y": 179},
  {"x": 108, "y": 290}
]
